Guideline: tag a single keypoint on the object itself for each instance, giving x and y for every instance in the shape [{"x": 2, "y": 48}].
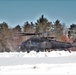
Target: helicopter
[{"x": 41, "y": 43}]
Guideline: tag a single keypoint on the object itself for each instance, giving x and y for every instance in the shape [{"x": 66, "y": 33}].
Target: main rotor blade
[{"x": 28, "y": 34}]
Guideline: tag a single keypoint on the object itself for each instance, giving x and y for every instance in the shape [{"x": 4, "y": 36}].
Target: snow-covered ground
[{"x": 55, "y": 62}]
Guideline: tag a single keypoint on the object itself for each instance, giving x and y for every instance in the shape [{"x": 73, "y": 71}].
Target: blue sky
[{"x": 16, "y": 12}]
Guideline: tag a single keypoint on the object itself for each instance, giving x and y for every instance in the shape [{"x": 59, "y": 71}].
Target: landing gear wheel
[
  {"x": 28, "y": 51},
  {"x": 37, "y": 51}
]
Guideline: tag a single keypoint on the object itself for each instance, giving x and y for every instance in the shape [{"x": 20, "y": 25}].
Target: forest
[{"x": 9, "y": 41}]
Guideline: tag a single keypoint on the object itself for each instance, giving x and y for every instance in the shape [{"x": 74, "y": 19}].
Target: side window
[
  {"x": 34, "y": 43},
  {"x": 28, "y": 43}
]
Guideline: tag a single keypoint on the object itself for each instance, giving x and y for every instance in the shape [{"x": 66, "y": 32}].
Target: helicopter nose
[{"x": 21, "y": 46}]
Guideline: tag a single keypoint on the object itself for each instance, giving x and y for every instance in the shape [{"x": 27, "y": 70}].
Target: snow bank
[{"x": 35, "y": 54}]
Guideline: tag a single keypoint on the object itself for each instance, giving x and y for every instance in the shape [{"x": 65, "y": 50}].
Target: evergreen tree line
[{"x": 8, "y": 41}]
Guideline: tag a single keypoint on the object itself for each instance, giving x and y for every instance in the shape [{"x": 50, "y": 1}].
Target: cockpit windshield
[{"x": 31, "y": 43}]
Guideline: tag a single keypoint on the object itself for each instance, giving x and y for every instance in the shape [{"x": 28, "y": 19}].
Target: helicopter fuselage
[{"x": 41, "y": 44}]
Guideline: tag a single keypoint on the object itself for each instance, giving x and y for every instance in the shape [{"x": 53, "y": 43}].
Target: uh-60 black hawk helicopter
[{"x": 38, "y": 43}]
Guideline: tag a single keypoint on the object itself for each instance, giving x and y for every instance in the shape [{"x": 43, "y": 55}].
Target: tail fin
[{"x": 74, "y": 40}]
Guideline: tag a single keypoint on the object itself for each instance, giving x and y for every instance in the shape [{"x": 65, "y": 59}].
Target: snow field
[{"x": 42, "y": 63}]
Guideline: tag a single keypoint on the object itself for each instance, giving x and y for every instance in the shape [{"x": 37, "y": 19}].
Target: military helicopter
[{"x": 41, "y": 43}]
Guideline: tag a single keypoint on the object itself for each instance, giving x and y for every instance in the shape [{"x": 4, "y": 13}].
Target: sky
[{"x": 17, "y": 12}]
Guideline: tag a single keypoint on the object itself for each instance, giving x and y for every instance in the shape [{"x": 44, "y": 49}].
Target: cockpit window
[{"x": 31, "y": 43}]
